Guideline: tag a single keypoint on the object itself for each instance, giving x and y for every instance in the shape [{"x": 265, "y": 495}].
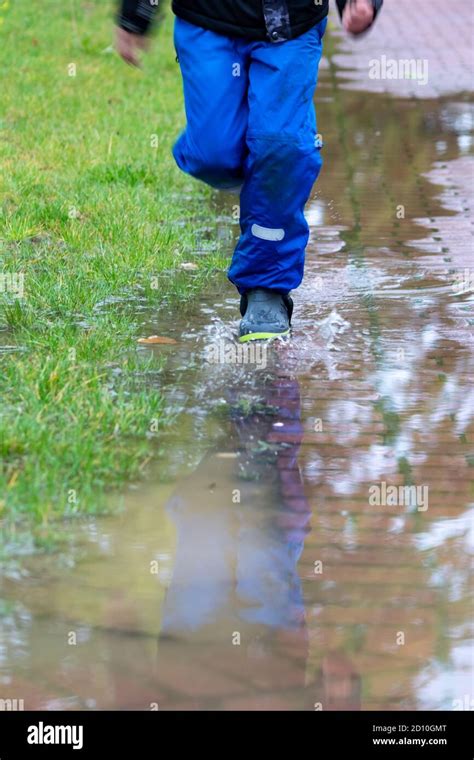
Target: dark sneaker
[{"x": 265, "y": 315}]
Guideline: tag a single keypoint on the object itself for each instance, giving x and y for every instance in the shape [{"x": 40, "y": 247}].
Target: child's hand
[
  {"x": 129, "y": 46},
  {"x": 357, "y": 16}
]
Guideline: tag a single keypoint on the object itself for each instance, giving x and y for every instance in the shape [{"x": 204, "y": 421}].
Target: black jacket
[{"x": 273, "y": 20}]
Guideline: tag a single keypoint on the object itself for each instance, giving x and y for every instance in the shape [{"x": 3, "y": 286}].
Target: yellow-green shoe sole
[{"x": 262, "y": 336}]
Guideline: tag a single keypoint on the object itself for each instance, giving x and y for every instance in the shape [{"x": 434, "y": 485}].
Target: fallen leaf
[
  {"x": 157, "y": 340},
  {"x": 189, "y": 266},
  {"x": 13, "y": 479}
]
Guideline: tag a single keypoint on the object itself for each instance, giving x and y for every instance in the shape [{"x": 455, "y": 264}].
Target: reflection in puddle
[{"x": 253, "y": 571}]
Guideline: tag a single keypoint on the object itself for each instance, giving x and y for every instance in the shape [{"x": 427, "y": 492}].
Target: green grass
[{"x": 97, "y": 219}]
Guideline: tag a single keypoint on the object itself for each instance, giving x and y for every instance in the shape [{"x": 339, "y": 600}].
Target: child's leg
[
  {"x": 215, "y": 80},
  {"x": 282, "y": 165}
]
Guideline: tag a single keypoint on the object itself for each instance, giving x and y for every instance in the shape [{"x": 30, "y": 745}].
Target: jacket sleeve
[
  {"x": 341, "y": 4},
  {"x": 136, "y": 15}
]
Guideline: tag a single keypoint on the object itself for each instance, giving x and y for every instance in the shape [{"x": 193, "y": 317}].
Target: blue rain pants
[{"x": 251, "y": 122}]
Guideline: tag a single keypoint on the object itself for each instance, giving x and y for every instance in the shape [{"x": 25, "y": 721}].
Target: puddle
[{"x": 260, "y": 567}]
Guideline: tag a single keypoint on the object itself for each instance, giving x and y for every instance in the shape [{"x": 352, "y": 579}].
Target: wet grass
[{"x": 95, "y": 221}]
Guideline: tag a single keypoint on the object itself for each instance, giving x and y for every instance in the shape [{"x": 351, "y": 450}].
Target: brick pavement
[{"x": 420, "y": 30}]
